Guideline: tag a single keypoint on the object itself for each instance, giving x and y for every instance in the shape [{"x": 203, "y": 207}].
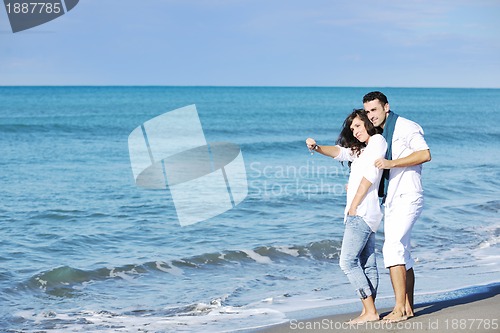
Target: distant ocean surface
[{"x": 82, "y": 249}]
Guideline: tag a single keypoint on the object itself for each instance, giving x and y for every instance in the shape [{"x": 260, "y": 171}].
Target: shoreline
[{"x": 475, "y": 312}]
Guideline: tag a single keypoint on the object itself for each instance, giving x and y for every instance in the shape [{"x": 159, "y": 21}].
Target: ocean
[{"x": 83, "y": 249}]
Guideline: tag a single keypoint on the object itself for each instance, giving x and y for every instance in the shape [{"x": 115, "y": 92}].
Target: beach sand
[{"x": 479, "y": 312}]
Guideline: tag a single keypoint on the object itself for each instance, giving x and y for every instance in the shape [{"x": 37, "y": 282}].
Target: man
[{"x": 403, "y": 196}]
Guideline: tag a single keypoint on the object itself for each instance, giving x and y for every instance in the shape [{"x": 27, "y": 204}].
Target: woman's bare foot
[{"x": 364, "y": 318}]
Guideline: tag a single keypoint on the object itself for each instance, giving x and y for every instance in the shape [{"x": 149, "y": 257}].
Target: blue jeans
[{"x": 357, "y": 257}]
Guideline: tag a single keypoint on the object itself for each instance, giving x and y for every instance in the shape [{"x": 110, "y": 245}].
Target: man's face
[{"x": 376, "y": 112}]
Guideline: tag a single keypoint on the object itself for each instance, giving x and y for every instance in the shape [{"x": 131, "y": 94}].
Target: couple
[{"x": 385, "y": 154}]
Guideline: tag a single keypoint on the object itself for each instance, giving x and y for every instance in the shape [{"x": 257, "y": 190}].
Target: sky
[{"x": 366, "y": 43}]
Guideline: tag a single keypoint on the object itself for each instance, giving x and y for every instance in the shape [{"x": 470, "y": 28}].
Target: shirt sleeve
[
  {"x": 346, "y": 154},
  {"x": 375, "y": 149},
  {"x": 415, "y": 138}
]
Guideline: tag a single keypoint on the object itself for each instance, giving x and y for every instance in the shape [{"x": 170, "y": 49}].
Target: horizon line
[{"x": 230, "y": 86}]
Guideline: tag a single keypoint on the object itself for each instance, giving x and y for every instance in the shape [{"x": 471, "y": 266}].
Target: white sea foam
[
  {"x": 43, "y": 283},
  {"x": 202, "y": 318},
  {"x": 494, "y": 240},
  {"x": 287, "y": 250},
  {"x": 171, "y": 269},
  {"x": 124, "y": 274},
  {"x": 257, "y": 257}
]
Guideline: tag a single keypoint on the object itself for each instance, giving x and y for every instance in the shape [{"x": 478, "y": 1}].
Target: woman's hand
[
  {"x": 311, "y": 143},
  {"x": 352, "y": 211}
]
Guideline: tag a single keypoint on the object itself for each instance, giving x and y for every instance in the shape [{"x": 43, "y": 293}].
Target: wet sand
[{"x": 478, "y": 312}]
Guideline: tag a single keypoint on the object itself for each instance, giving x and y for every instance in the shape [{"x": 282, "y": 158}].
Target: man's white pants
[{"x": 400, "y": 216}]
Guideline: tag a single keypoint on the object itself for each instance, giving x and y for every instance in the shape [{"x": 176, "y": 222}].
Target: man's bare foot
[
  {"x": 395, "y": 316},
  {"x": 409, "y": 313},
  {"x": 364, "y": 318}
]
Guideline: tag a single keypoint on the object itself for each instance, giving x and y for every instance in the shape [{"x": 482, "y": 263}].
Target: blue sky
[{"x": 382, "y": 43}]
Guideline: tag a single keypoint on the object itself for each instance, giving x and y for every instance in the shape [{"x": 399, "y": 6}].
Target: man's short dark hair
[{"x": 371, "y": 96}]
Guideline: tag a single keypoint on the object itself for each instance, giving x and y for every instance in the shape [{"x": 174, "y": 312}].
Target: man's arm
[{"x": 415, "y": 158}]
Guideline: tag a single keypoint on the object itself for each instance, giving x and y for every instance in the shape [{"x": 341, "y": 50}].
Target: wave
[
  {"x": 273, "y": 144},
  {"x": 62, "y": 129},
  {"x": 63, "y": 281},
  {"x": 437, "y": 135},
  {"x": 60, "y": 214},
  {"x": 213, "y": 316},
  {"x": 492, "y": 206}
]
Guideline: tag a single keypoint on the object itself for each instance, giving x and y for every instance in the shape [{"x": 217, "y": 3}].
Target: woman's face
[{"x": 359, "y": 130}]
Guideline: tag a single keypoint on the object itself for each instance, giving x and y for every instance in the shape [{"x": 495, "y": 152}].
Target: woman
[{"x": 360, "y": 144}]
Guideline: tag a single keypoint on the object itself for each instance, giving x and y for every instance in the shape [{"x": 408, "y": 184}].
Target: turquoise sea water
[{"x": 83, "y": 249}]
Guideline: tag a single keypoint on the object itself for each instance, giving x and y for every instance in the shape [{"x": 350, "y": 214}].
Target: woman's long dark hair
[{"x": 346, "y": 138}]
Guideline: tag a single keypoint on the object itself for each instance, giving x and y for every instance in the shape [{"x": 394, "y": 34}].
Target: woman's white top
[{"x": 364, "y": 166}]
